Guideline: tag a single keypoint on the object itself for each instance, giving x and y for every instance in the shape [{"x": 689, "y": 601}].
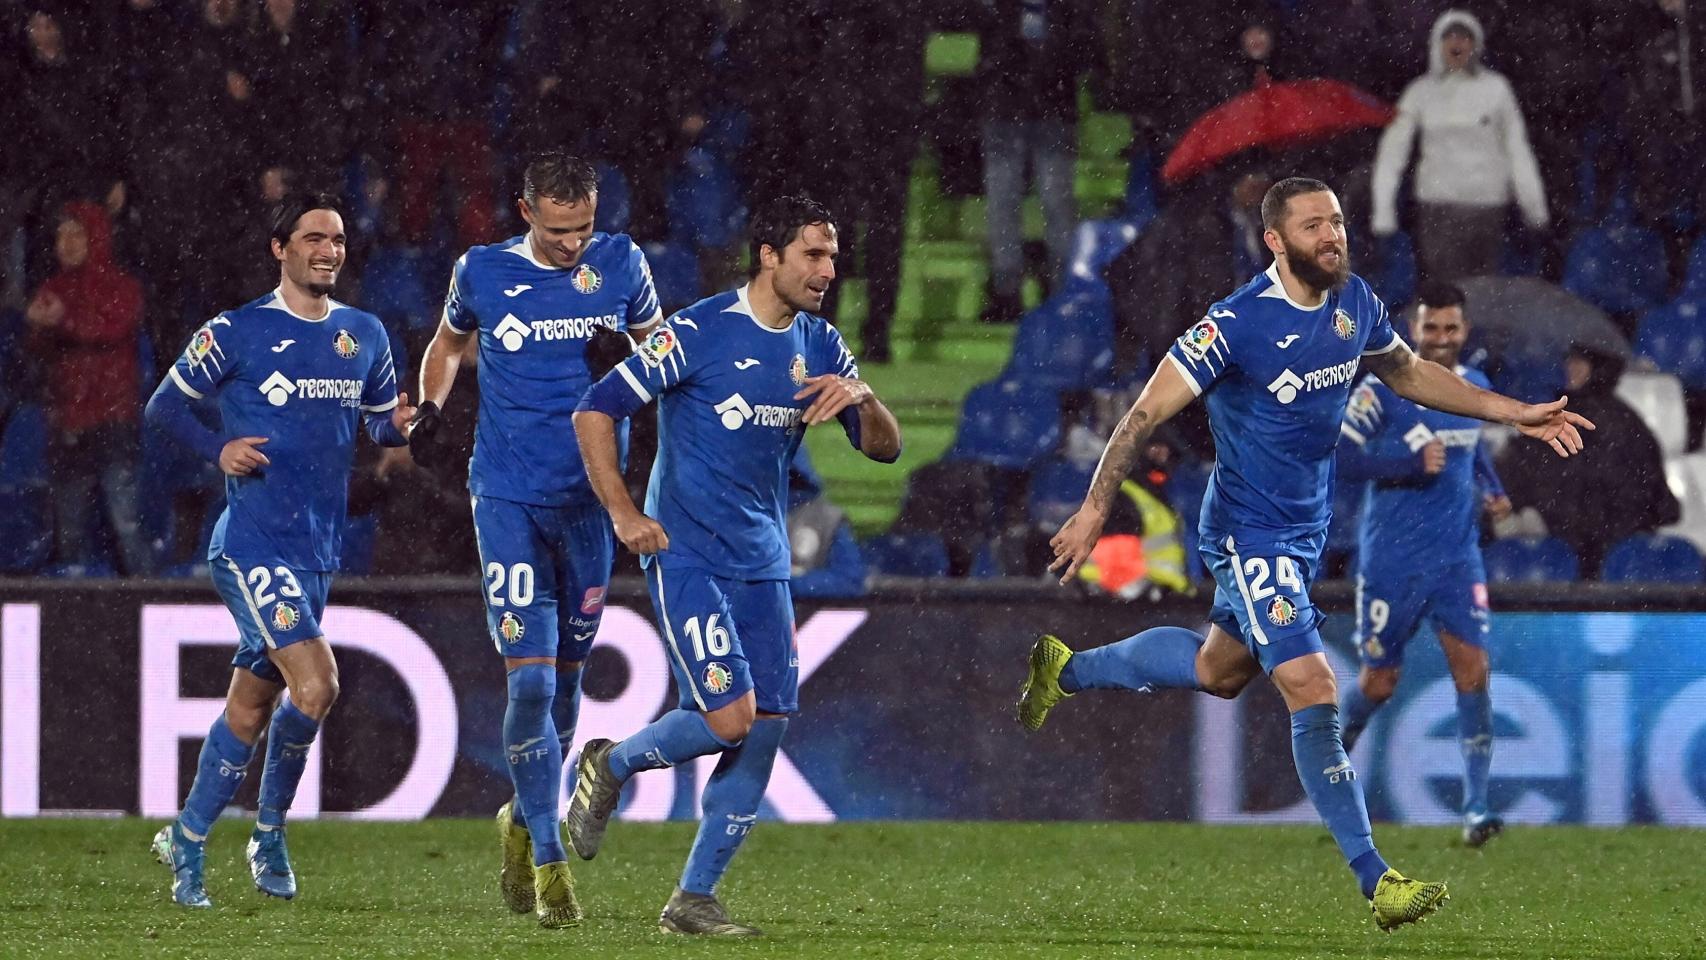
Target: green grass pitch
[{"x": 87, "y": 888}]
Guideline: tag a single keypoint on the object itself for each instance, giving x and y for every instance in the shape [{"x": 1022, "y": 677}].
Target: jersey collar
[
  {"x": 277, "y": 303},
  {"x": 1277, "y": 291},
  {"x": 743, "y": 305}
]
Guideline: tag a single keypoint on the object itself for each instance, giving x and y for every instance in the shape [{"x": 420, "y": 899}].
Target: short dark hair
[
  {"x": 779, "y": 221},
  {"x": 1437, "y": 295},
  {"x": 1279, "y": 196},
  {"x": 559, "y": 175},
  {"x": 296, "y": 205}
]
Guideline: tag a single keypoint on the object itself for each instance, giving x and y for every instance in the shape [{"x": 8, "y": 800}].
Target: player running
[
  {"x": 738, "y": 377},
  {"x": 1418, "y": 555},
  {"x": 544, "y": 306},
  {"x": 1274, "y": 363},
  {"x": 295, "y": 372}
]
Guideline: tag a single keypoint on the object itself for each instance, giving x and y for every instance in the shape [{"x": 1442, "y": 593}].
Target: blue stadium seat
[
  {"x": 915, "y": 554},
  {"x": 1673, "y": 337},
  {"x": 1620, "y": 268},
  {"x": 23, "y": 448},
  {"x": 26, "y": 528},
  {"x": 704, "y": 202},
  {"x": 1096, "y": 243},
  {"x": 1140, "y": 192},
  {"x": 615, "y": 199},
  {"x": 1530, "y": 560},
  {"x": 394, "y": 288},
  {"x": 1007, "y": 424},
  {"x": 1058, "y": 485},
  {"x": 675, "y": 272},
  {"x": 1654, "y": 558},
  {"x": 1695, "y": 282},
  {"x": 985, "y": 564},
  {"x": 1067, "y": 342}
]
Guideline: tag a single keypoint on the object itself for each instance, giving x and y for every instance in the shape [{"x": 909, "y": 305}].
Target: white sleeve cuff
[
  {"x": 1184, "y": 371},
  {"x": 178, "y": 379}
]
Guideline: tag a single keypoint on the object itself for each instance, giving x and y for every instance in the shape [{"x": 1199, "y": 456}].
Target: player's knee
[
  {"x": 1378, "y": 685},
  {"x": 1470, "y": 677},
  {"x": 532, "y": 681},
  {"x": 732, "y": 723},
  {"x": 315, "y": 697},
  {"x": 246, "y": 720},
  {"x": 1222, "y": 681}
]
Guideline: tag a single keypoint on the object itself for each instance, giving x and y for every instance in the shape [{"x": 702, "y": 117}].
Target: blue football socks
[
  {"x": 1332, "y": 786},
  {"x": 1475, "y": 736},
  {"x": 535, "y": 757},
  {"x": 289, "y": 738},
  {"x": 730, "y": 803},
  {"x": 1356, "y": 709},
  {"x": 1161, "y": 658},
  {"x": 220, "y": 771},
  {"x": 675, "y": 737}
]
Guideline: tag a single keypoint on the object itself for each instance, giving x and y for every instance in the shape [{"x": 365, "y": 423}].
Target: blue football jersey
[
  {"x": 1412, "y": 521},
  {"x": 1275, "y": 376},
  {"x": 305, "y": 385},
  {"x": 534, "y": 321},
  {"x": 728, "y": 426}
]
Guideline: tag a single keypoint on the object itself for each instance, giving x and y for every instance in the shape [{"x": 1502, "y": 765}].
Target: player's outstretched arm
[
  {"x": 830, "y": 395},
  {"x": 1432, "y": 385},
  {"x": 439, "y": 364},
  {"x": 1164, "y": 396},
  {"x": 595, "y": 431}
]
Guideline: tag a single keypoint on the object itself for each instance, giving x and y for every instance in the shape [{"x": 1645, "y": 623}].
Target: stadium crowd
[{"x": 146, "y": 140}]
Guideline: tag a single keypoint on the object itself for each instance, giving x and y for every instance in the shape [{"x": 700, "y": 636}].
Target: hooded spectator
[
  {"x": 1614, "y": 488},
  {"x": 1475, "y": 157},
  {"x": 84, "y": 323}
]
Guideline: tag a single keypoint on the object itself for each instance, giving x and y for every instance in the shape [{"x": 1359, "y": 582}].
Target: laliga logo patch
[
  {"x": 510, "y": 628},
  {"x": 593, "y": 601},
  {"x": 1282, "y": 612},
  {"x": 585, "y": 279},
  {"x": 200, "y": 345},
  {"x": 657, "y": 346},
  {"x": 1199, "y": 339},
  {"x": 284, "y": 615},
  {"x": 1343, "y": 325},
  {"x": 718, "y": 678},
  {"x": 345, "y": 345},
  {"x": 797, "y": 370}
]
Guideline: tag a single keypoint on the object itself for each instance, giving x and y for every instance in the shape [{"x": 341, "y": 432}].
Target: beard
[
  {"x": 319, "y": 289},
  {"x": 1306, "y": 268}
]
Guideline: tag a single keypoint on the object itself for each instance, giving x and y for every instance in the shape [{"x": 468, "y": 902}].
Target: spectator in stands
[
  {"x": 439, "y": 65},
  {"x": 1614, "y": 488},
  {"x": 84, "y": 323},
  {"x": 302, "y": 68},
  {"x": 1032, "y": 55},
  {"x": 1475, "y": 157},
  {"x": 1361, "y": 42}
]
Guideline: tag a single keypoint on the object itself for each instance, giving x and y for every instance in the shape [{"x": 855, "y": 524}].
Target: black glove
[
  {"x": 605, "y": 349},
  {"x": 424, "y": 446}
]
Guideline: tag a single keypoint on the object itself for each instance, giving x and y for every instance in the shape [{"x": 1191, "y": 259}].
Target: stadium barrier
[{"x": 1600, "y": 693}]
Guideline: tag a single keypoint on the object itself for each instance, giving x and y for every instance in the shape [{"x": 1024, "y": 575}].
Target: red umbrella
[{"x": 1273, "y": 115}]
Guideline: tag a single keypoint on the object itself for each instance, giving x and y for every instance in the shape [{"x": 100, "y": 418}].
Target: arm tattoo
[{"x": 1117, "y": 460}]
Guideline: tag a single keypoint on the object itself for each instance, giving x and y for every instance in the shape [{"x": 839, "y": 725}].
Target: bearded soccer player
[
  {"x": 1274, "y": 362},
  {"x": 296, "y": 373},
  {"x": 553, "y": 309},
  {"x": 738, "y": 377},
  {"x": 1426, "y": 475}
]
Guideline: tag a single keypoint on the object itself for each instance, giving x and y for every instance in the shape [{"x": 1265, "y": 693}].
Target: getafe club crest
[
  {"x": 510, "y": 628},
  {"x": 797, "y": 370},
  {"x": 586, "y": 279},
  {"x": 345, "y": 344},
  {"x": 284, "y": 615},
  {"x": 718, "y": 678},
  {"x": 1282, "y": 612},
  {"x": 1343, "y": 325}
]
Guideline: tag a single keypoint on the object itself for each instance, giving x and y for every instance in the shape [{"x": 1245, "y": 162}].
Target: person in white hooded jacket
[{"x": 1475, "y": 157}]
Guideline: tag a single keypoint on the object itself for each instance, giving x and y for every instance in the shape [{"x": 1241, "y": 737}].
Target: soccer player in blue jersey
[
  {"x": 296, "y": 373},
  {"x": 544, "y": 306},
  {"x": 1274, "y": 362},
  {"x": 1427, "y": 474},
  {"x": 738, "y": 379}
]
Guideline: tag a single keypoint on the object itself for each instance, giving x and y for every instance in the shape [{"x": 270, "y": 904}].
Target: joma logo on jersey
[
  {"x": 278, "y": 389},
  {"x": 1288, "y": 385},
  {"x": 736, "y": 412},
  {"x": 512, "y": 333}
]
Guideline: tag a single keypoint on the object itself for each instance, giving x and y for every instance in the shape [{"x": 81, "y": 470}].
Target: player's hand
[
  {"x": 242, "y": 456},
  {"x": 1433, "y": 457},
  {"x": 604, "y": 350},
  {"x": 402, "y": 414},
  {"x": 1498, "y": 507},
  {"x": 423, "y": 437},
  {"x": 641, "y": 534},
  {"x": 46, "y": 310},
  {"x": 830, "y": 395},
  {"x": 1072, "y": 545},
  {"x": 1552, "y": 423}
]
